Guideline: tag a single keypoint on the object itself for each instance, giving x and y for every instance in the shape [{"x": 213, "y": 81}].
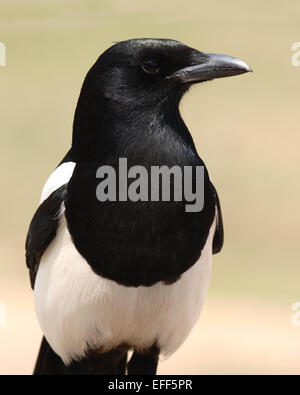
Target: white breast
[{"x": 77, "y": 308}]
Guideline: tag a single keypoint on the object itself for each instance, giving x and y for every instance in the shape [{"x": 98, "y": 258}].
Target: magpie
[{"x": 112, "y": 277}]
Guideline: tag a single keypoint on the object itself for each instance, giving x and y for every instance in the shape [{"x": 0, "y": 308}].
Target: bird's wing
[
  {"x": 219, "y": 232},
  {"x": 45, "y": 221},
  {"x": 42, "y": 230}
]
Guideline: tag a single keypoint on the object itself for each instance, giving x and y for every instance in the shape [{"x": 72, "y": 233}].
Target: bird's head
[
  {"x": 137, "y": 77},
  {"x": 147, "y": 71}
]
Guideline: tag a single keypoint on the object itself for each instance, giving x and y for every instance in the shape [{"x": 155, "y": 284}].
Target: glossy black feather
[
  {"x": 218, "y": 240},
  {"x": 42, "y": 230}
]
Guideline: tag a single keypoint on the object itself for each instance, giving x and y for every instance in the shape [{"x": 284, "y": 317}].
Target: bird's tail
[
  {"x": 112, "y": 362},
  {"x": 48, "y": 362}
]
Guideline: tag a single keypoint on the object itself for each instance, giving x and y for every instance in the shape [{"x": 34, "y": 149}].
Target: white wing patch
[{"x": 59, "y": 177}]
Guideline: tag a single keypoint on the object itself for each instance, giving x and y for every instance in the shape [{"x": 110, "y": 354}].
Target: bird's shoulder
[{"x": 45, "y": 221}]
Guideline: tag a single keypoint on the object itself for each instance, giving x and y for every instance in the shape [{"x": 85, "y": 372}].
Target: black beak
[{"x": 208, "y": 66}]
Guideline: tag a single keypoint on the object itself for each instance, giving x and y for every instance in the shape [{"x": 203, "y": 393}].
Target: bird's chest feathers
[{"x": 134, "y": 241}]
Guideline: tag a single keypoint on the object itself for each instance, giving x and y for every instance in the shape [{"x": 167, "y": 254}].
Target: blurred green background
[{"x": 246, "y": 130}]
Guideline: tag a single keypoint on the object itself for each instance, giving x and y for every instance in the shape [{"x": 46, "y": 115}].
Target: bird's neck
[{"x": 103, "y": 128}]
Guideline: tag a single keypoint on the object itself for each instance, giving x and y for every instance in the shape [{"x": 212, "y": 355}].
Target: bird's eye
[{"x": 150, "y": 67}]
